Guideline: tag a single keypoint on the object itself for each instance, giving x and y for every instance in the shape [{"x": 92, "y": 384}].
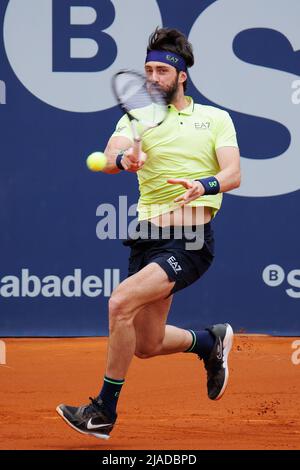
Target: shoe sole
[
  {"x": 227, "y": 345},
  {"x": 99, "y": 436}
]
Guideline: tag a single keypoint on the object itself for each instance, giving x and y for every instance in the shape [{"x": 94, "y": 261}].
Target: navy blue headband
[{"x": 167, "y": 58}]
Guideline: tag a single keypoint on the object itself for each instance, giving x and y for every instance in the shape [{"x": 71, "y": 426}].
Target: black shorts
[{"x": 184, "y": 258}]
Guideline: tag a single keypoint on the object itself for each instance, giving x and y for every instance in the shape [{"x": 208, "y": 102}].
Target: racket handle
[
  {"x": 137, "y": 148},
  {"x": 137, "y": 141}
]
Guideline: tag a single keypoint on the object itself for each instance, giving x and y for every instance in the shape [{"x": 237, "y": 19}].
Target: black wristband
[
  {"x": 211, "y": 185},
  {"x": 118, "y": 161}
]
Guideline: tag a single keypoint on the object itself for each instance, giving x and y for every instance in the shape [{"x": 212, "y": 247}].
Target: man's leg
[
  {"x": 153, "y": 336},
  {"x": 213, "y": 345},
  {"x": 138, "y": 311},
  {"x": 149, "y": 285}
]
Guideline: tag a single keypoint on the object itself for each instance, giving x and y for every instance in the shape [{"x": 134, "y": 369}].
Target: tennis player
[{"x": 186, "y": 164}]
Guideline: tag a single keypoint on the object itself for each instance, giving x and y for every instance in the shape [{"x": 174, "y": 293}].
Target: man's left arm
[
  {"x": 229, "y": 176},
  {"x": 228, "y": 156}
]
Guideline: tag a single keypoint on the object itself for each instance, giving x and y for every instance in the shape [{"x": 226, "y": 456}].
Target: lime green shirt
[{"x": 183, "y": 146}]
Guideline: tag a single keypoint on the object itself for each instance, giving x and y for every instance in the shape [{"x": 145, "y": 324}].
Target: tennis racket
[{"x": 142, "y": 100}]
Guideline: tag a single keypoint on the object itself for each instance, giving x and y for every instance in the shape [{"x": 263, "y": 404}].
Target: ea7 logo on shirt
[
  {"x": 202, "y": 125},
  {"x": 174, "y": 264}
]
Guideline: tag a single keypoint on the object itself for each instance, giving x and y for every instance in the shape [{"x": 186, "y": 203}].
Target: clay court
[{"x": 163, "y": 403}]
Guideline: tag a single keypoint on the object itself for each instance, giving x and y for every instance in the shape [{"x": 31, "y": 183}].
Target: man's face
[{"x": 166, "y": 77}]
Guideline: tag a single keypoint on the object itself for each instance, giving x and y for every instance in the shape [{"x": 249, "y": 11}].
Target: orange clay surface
[{"x": 163, "y": 404}]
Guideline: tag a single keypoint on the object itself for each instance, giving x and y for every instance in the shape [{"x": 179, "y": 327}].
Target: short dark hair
[{"x": 172, "y": 40}]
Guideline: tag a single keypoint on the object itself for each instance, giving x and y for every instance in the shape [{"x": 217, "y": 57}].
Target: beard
[{"x": 171, "y": 91}]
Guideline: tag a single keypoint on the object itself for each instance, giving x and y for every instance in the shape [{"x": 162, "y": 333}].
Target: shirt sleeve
[
  {"x": 226, "y": 135},
  {"x": 123, "y": 128}
]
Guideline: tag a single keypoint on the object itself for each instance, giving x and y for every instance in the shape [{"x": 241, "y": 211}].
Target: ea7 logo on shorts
[{"x": 174, "y": 264}]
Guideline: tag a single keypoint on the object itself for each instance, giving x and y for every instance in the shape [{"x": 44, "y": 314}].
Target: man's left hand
[{"x": 194, "y": 190}]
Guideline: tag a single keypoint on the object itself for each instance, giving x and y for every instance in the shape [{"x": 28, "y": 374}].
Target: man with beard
[{"x": 186, "y": 165}]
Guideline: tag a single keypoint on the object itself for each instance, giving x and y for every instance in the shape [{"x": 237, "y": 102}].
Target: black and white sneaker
[
  {"x": 93, "y": 419},
  {"x": 217, "y": 363}
]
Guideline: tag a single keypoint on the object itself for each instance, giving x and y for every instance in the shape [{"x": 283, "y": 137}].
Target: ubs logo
[
  {"x": 242, "y": 80},
  {"x": 74, "y": 47}
]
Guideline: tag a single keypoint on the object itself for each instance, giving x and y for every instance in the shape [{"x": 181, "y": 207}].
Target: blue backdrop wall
[{"x": 56, "y": 106}]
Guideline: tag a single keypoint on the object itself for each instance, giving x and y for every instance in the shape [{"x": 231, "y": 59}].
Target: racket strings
[{"x": 144, "y": 100}]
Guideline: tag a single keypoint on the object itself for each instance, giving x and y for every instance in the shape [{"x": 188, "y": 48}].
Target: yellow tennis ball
[{"x": 96, "y": 161}]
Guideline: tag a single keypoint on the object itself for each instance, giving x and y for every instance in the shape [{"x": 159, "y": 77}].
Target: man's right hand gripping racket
[{"x": 142, "y": 100}]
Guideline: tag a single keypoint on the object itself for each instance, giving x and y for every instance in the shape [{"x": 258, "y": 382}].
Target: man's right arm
[
  {"x": 115, "y": 146},
  {"x": 122, "y": 145}
]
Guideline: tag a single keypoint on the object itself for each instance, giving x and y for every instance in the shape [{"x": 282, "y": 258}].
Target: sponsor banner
[
  {"x": 61, "y": 226},
  {"x": 30, "y": 285}
]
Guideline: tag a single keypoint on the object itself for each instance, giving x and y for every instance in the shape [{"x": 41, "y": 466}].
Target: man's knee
[
  {"x": 120, "y": 307},
  {"x": 143, "y": 355},
  {"x": 116, "y": 302},
  {"x": 146, "y": 352}
]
